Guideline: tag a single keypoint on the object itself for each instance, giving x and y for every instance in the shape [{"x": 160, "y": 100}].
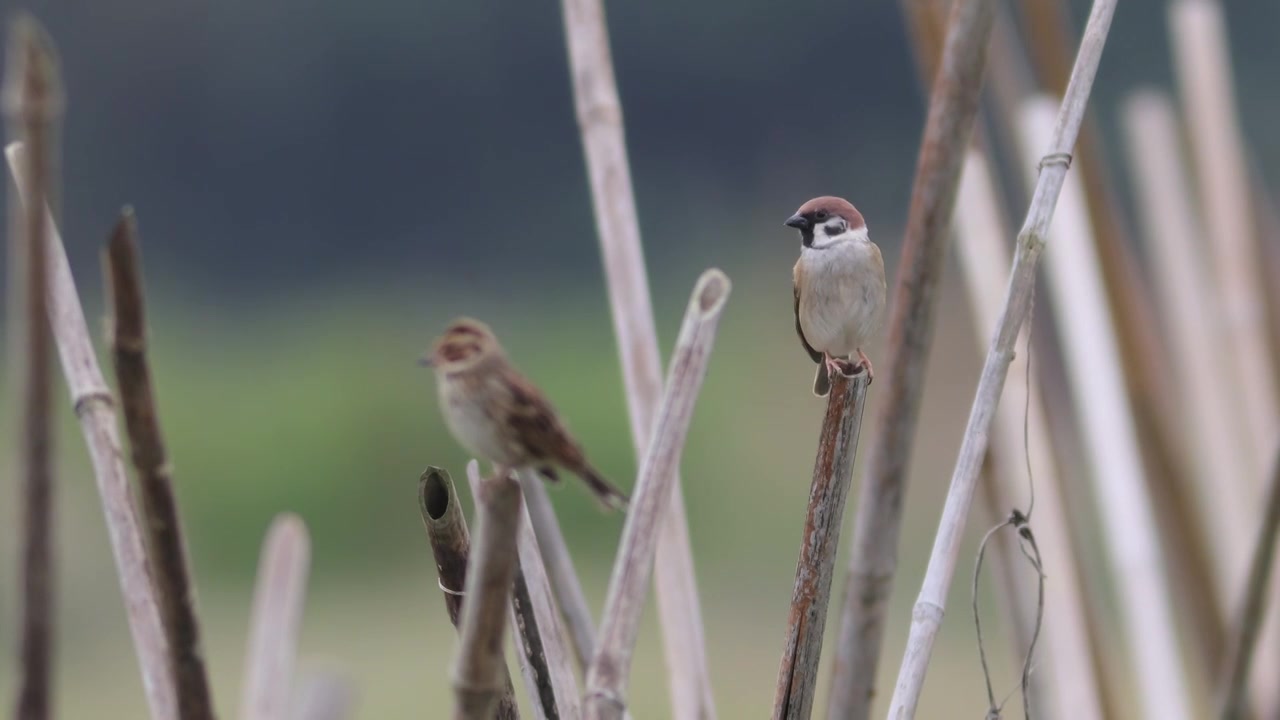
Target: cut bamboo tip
[{"x": 437, "y": 497}]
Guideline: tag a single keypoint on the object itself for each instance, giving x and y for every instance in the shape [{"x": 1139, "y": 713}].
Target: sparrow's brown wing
[{"x": 795, "y": 289}]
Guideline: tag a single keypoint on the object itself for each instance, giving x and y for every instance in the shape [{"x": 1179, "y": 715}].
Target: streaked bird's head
[
  {"x": 827, "y": 221},
  {"x": 464, "y": 344}
]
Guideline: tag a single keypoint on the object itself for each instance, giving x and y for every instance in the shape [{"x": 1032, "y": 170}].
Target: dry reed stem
[
  {"x": 563, "y": 577},
  {"x": 927, "y": 617},
  {"x": 1213, "y": 432},
  {"x": 479, "y": 665},
  {"x": 325, "y": 696},
  {"x": 94, "y": 408},
  {"x": 1203, "y": 69},
  {"x": 279, "y": 596},
  {"x": 599, "y": 113},
  {"x": 656, "y": 483},
  {"x": 168, "y": 552},
  {"x": 33, "y": 103},
  {"x": 446, "y": 528},
  {"x": 832, "y": 476},
  {"x": 535, "y": 626},
  {"x": 1071, "y": 681},
  {"x": 1111, "y": 443},
  {"x": 953, "y": 108},
  {"x": 1250, "y": 623}
]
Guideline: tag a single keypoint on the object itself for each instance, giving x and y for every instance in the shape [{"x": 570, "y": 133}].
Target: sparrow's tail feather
[
  {"x": 821, "y": 381},
  {"x": 610, "y": 497}
]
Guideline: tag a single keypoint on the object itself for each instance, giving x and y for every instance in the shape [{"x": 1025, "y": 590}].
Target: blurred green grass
[{"x": 315, "y": 405}]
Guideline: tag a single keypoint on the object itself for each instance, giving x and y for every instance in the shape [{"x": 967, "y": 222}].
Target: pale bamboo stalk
[
  {"x": 478, "y": 667},
  {"x": 168, "y": 550},
  {"x": 832, "y": 476},
  {"x": 33, "y": 103},
  {"x": 599, "y": 114},
  {"x": 564, "y": 579},
  {"x": 279, "y": 596},
  {"x": 953, "y": 108},
  {"x": 1202, "y": 62},
  {"x": 535, "y": 624},
  {"x": 927, "y": 617},
  {"x": 446, "y": 528},
  {"x": 1072, "y": 677},
  {"x": 1250, "y": 623},
  {"x": 655, "y": 484},
  {"x": 1211, "y": 427},
  {"x": 94, "y": 408},
  {"x": 1111, "y": 442}
]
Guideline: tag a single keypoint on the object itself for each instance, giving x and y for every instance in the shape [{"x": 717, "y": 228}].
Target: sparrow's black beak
[{"x": 798, "y": 222}]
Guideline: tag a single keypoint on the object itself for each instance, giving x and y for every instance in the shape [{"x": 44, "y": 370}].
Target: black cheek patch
[{"x": 834, "y": 229}]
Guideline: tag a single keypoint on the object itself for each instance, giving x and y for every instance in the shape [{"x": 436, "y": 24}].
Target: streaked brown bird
[
  {"x": 497, "y": 414},
  {"x": 839, "y": 287}
]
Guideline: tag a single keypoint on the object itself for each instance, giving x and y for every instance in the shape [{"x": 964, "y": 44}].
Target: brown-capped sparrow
[
  {"x": 496, "y": 413},
  {"x": 839, "y": 287}
]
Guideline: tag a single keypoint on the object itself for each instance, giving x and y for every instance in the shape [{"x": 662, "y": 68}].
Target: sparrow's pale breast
[{"x": 843, "y": 297}]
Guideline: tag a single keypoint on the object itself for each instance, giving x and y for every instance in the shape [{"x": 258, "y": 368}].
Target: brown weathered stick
[
  {"x": 94, "y": 408},
  {"x": 608, "y": 675},
  {"x": 450, "y": 543},
  {"x": 1249, "y": 626},
  {"x": 478, "y": 667},
  {"x": 953, "y": 106},
  {"x": 599, "y": 113},
  {"x": 535, "y": 626},
  {"x": 927, "y": 616},
  {"x": 167, "y": 547},
  {"x": 33, "y": 102},
  {"x": 279, "y": 596},
  {"x": 832, "y": 476}
]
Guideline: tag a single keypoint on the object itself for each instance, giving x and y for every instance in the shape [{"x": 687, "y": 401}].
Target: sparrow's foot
[
  {"x": 835, "y": 366},
  {"x": 865, "y": 362}
]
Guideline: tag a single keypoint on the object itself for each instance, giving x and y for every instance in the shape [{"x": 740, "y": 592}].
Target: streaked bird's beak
[
  {"x": 426, "y": 361},
  {"x": 797, "y": 221}
]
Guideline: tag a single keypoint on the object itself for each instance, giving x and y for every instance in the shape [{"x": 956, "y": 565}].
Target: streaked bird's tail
[{"x": 610, "y": 497}]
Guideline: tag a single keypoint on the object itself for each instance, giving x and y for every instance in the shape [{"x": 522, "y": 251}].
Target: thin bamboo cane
[
  {"x": 1072, "y": 680},
  {"x": 94, "y": 407},
  {"x": 608, "y": 675},
  {"x": 599, "y": 113},
  {"x": 929, "y": 607}
]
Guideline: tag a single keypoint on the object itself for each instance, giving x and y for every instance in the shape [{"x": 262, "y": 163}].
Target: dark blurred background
[{"x": 320, "y": 186}]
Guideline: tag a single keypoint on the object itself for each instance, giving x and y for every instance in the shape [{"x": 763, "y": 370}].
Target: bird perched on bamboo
[
  {"x": 839, "y": 287},
  {"x": 497, "y": 413}
]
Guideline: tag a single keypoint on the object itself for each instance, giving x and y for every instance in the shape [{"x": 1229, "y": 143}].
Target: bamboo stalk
[
  {"x": 279, "y": 596},
  {"x": 599, "y": 114},
  {"x": 564, "y": 579},
  {"x": 1203, "y": 69},
  {"x": 479, "y": 664},
  {"x": 655, "y": 484},
  {"x": 832, "y": 476},
  {"x": 927, "y": 616},
  {"x": 1071, "y": 684},
  {"x": 953, "y": 108},
  {"x": 1250, "y": 624},
  {"x": 174, "y": 586},
  {"x": 94, "y": 409},
  {"x": 535, "y": 625},
  {"x": 33, "y": 102},
  {"x": 446, "y": 528},
  {"x": 1111, "y": 442}
]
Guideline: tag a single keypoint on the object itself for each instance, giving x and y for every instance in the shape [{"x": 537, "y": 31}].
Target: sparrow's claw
[{"x": 865, "y": 362}]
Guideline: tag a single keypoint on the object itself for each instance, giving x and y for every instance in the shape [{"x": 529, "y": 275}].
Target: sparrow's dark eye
[{"x": 820, "y": 215}]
